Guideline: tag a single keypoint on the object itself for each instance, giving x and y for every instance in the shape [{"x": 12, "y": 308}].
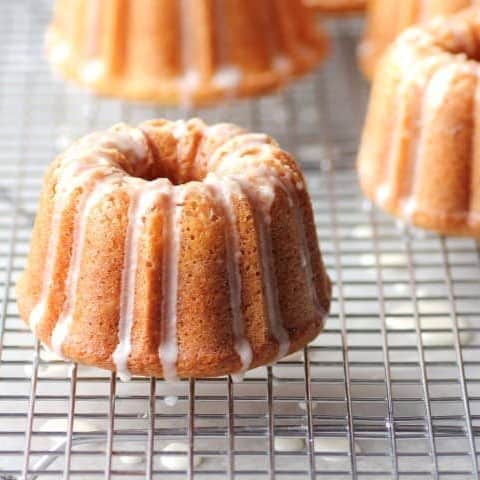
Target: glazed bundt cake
[
  {"x": 336, "y": 6},
  {"x": 386, "y": 19},
  {"x": 420, "y": 154},
  {"x": 183, "y": 51},
  {"x": 174, "y": 249}
]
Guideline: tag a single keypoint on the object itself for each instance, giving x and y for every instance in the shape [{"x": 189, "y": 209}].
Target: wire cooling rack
[{"x": 389, "y": 390}]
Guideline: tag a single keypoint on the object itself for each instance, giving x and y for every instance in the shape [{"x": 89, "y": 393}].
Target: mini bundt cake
[
  {"x": 336, "y": 6},
  {"x": 386, "y": 19},
  {"x": 420, "y": 153},
  {"x": 174, "y": 249},
  {"x": 183, "y": 51}
]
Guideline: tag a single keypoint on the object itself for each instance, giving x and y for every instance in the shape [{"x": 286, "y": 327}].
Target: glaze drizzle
[
  {"x": 224, "y": 191},
  {"x": 168, "y": 350},
  {"x": 98, "y": 164},
  {"x": 143, "y": 198}
]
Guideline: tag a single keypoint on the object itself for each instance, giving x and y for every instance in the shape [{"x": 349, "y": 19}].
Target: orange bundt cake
[
  {"x": 386, "y": 19},
  {"x": 174, "y": 249},
  {"x": 183, "y": 51},
  {"x": 420, "y": 153},
  {"x": 336, "y": 6}
]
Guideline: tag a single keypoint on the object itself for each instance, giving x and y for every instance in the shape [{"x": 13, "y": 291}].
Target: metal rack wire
[{"x": 391, "y": 389}]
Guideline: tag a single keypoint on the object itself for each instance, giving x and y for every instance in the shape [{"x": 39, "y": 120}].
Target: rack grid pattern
[{"x": 391, "y": 389}]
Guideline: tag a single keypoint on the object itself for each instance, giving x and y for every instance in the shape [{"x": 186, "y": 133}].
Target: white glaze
[
  {"x": 224, "y": 129},
  {"x": 409, "y": 207},
  {"x": 259, "y": 188},
  {"x": 361, "y": 231},
  {"x": 37, "y": 313},
  {"x": 223, "y": 190},
  {"x": 48, "y": 355},
  {"x": 87, "y": 162},
  {"x": 305, "y": 257},
  {"x": 135, "y": 226},
  {"x": 180, "y": 461},
  {"x": 130, "y": 142},
  {"x": 438, "y": 88},
  {"x": 295, "y": 357},
  {"x": 84, "y": 168},
  {"x": 143, "y": 198},
  {"x": 62, "y": 142},
  {"x": 432, "y": 79},
  {"x": 90, "y": 159},
  {"x": 94, "y": 190},
  {"x": 59, "y": 52},
  {"x": 179, "y": 129},
  {"x": 238, "y": 377},
  {"x": 93, "y": 71},
  {"x": 168, "y": 350},
  {"x": 383, "y": 194},
  {"x": 170, "y": 400},
  {"x": 415, "y": 78},
  {"x": 244, "y": 158},
  {"x": 227, "y": 78},
  {"x": 282, "y": 64},
  {"x": 71, "y": 175},
  {"x": 188, "y": 85},
  {"x": 289, "y": 444},
  {"x": 336, "y": 445},
  {"x": 132, "y": 459},
  {"x": 261, "y": 198},
  {"x": 216, "y": 135},
  {"x": 435, "y": 89},
  {"x": 61, "y": 425},
  {"x": 264, "y": 178},
  {"x": 233, "y": 149}
]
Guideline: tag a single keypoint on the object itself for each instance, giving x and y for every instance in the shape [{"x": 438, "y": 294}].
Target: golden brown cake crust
[
  {"x": 336, "y": 6},
  {"x": 183, "y": 52},
  {"x": 174, "y": 249},
  {"x": 419, "y": 156},
  {"x": 386, "y": 19}
]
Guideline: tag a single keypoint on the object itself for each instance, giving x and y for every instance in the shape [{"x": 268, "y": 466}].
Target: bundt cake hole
[{"x": 169, "y": 165}]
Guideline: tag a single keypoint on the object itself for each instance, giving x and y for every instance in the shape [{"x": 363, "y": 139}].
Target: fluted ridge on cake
[
  {"x": 174, "y": 249},
  {"x": 419, "y": 156},
  {"x": 183, "y": 51},
  {"x": 386, "y": 19}
]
